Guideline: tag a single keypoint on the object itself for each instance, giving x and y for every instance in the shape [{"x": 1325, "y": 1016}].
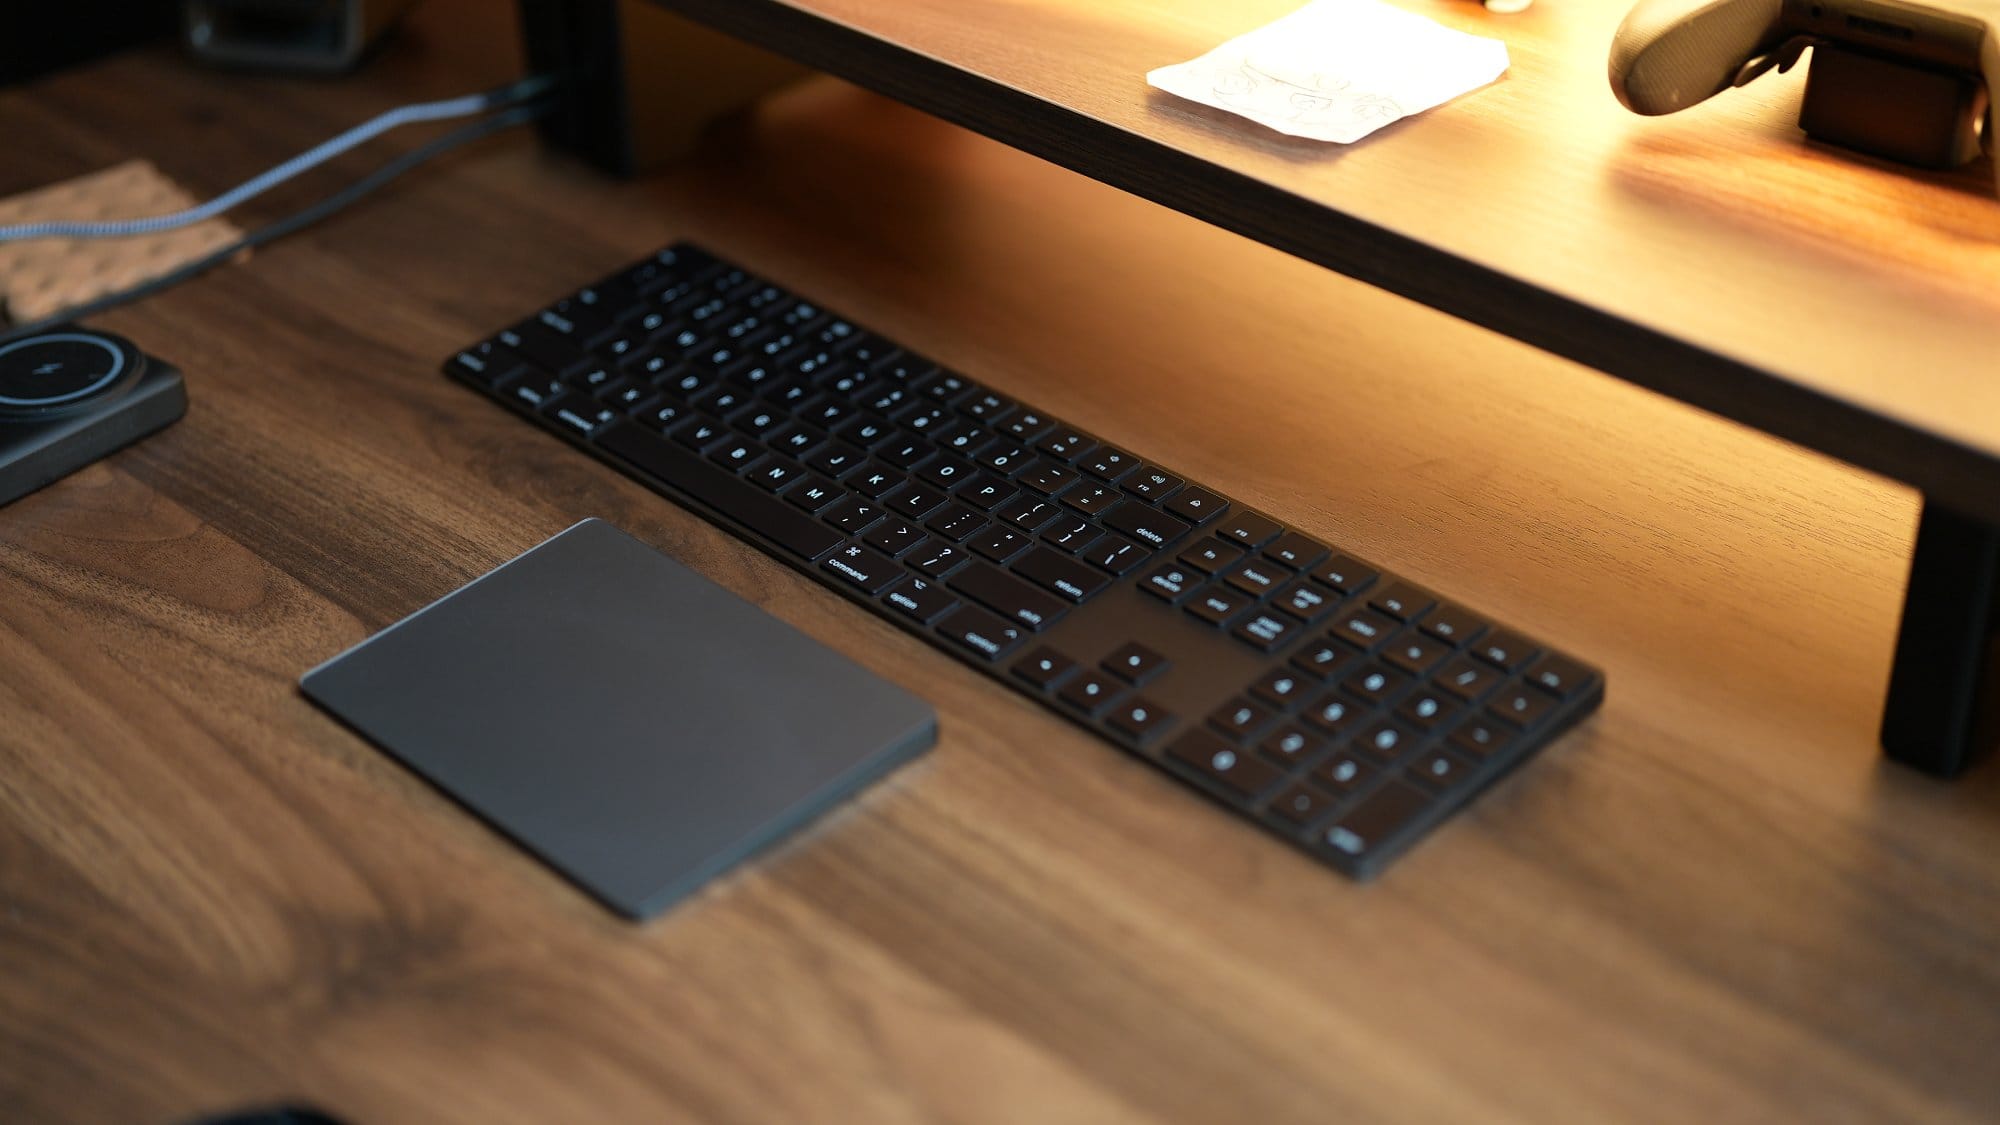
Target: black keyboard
[{"x": 1336, "y": 705}]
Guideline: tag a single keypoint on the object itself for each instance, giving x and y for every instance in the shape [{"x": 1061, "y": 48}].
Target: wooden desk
[{"x": 1711, "y": 903}]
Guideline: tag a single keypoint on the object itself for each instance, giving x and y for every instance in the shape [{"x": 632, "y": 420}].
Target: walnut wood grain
[
  {"x": 1712, "y": 902},
  {"x": 1714, "y": 255}
]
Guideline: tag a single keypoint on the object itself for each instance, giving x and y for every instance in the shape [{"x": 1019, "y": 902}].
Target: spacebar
[{"x": 738, "y": 499}]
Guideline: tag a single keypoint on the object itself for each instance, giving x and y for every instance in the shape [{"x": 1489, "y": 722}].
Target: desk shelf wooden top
[{"x": 1715, "y": 255}]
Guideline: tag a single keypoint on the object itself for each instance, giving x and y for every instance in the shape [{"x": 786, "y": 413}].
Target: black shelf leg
[{"x": 1943, "y": 709}]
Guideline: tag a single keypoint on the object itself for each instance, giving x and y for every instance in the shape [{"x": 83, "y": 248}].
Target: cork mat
[{"x": 44, "y": 276}]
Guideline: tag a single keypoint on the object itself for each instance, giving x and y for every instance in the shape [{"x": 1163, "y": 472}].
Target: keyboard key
[
  {"x": 666, "y": 415},
  {"x": 1373, "y": 683},
  {"x": 1281, "y": 688},
  {"x": 1427, "y": 708},
  {"x": 1152, "y": 484},
  {"x": 766, "y": 516},
  {"x": 1143, "y": 523},
  {"x": 1026, "y": 512},
  {"x": 1210, "y": 757},
  {"x": 1343, "y": 773},
  {"x": 905, "y": 453},
  {"x": 956, "y": 522},
  {"x": 920, "y": 599},
  {"x": 1453, "y": 625},
  {"x": 938, "y": 559},
  {"x": 915, "y": 501},
  {"x": 1322, "y": 659},
  {"x": 1119, "y": 556},
  {"x": 865, "y": 431},
  {"x": 1295, "y": 550},
  {"x": 1091, "y": 693},
  {"x": 1140, "y": 719},
  {"x": 1305, "y": 601},
  {"x": 904, "y": 367},
  {"x": 986, "y": 491},
  {"x": 1290, "y": 744},
  {"x": 893, "y": 537},
  {"x": 944, "y": 387},
  {"x": 735, "y": 453},
  {"x": 534, "y": 390},
  {"x": 1401, "y": 601},
  {"x": 1044, "y": 668},
  {"x": 1385, "y": 740},
  {"x": 960, "y": 436},
  {"x": 999, "y": 543},
  {"x": 775, "y": 473},
  {"x": 853, "y": 515},
  {"x": 1481, "y": 739},
  {"x": 1364, "y": 629},
  {"x": 1065, "y": 576},
  {"x": 815, "y": 493},
  {"x": 1248, "y": 529},
  {"x": 1300, "y": 805},
  {"x": 1065, "y": 443},
  {"x": 1092, "y": 499},
  {"x": 1135, "y": 663},
  {"x": 1334, "y": 715},
  {"x": 1509, "y": 652},
  {"x": 1369, "y": 826},
  {"x": 1521, "y": 707},
  {"x": 1048, "y": 478},
  {"x": 1106, "y": 463},
  {"x": 1195, "y": 505},
  {"x": 578, "y": 414},
  {"x": 1004, "y": 459},
  {"x": 1216, "y": 605},
  {"x": 980, "y": 632},
  {"x": 1415, "y": 653},
  {"x": 860, "y": 566},
  {"x": 1027, "y": 425},
  {"x": 987, "y": 407},
  {"x": 946, "y": 471},
  {"x": 1071, "y": 533},
  {"x": 1266, "y": 632},
  {"x": 1344, "y": 574},
  {"x": 1211, "y": 555},
  {"x": 547, "y": 350},
  {"x": 875, "y": 481},
  {"x": 486, "y": 364},
  {"x": 1560, "y": 676},
  {"x": 1008, "y": 596},
  {"x": 1170, "y": 583},
  {"x": 1240, "y": 718},
  {"x": 1439, "y": 769},
  {"x": 1467, "y": 678},
  {"x": 1255, "y": 577}
]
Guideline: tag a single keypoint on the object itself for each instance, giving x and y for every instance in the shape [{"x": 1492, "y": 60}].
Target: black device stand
[{"x": 1943, "y": 709}]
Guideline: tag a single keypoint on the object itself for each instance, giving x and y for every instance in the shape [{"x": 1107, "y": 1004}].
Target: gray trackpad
[{"x": 624, "y": 718}]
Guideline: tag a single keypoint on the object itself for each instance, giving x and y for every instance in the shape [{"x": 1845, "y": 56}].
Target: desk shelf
[{"x": 1714, "y": 256}]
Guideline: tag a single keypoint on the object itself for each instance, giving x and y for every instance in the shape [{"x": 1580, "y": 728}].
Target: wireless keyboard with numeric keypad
[{"x": 1338, "y": 706}]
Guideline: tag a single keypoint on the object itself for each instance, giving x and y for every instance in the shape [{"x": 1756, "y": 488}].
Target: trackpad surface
[{"x": 633, "y": 724}]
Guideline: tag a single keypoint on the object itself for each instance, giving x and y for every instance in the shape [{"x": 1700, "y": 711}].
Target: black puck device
[{"x": 69, "y": 396}]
